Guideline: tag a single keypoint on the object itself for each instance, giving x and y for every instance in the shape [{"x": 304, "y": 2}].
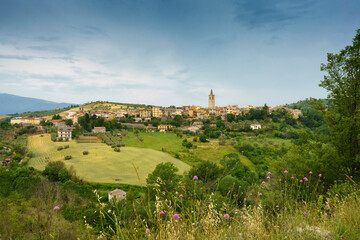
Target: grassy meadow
[
  {"x": 168, "y": 141},
  {"x": 102, "y": 164}
]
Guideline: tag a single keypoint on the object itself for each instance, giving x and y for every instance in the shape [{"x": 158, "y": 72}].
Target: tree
[
  {"x": 167, "y": 173},
  {"x": 343, "y": 114},
  {"x": 69, "y": 122}
]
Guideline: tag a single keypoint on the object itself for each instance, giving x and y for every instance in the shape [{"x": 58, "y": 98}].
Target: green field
[
  {"x": 102, "y": 164},
  {"x": 211, "y": 151}
]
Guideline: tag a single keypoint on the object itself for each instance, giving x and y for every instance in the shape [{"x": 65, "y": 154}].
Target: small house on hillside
[
  {"x": 255, "y": 126},
  {"x": 65, "y": 133},
  {"x": 118, "y": 194},
  {"x": 99, "y": 130},
  {"x": 7, "y": 161},
  {"x": 58, "y": 123},
  {"x": 164, "y": 128}
]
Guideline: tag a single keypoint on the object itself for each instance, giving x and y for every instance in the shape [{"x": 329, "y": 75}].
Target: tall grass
[{"x": 280, "y": 208}]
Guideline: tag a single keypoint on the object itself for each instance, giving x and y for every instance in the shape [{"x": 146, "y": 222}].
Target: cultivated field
[{"x": 102, "y": 164}]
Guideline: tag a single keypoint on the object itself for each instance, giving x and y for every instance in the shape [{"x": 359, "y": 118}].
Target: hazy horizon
[{"x": 171, "y": 52}]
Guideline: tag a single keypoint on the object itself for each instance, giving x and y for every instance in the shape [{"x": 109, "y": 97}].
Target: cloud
[
  {"x": 17, "y": 57},
  {"x": 274, "y": 14}
]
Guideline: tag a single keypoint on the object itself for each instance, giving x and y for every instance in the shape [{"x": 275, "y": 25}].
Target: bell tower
[{"x": 211, "y": 100}]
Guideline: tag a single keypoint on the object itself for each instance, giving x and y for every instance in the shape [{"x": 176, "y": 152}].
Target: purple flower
[
  {"x": 56, "y": 208},
  {"x": 292, "y": 178},
  {"x": 277, "y": 206},
  {"x": 305, "y": 213},
  {"x": 310, "y": 172},
  {"x": 320, "y": 175},
  {"x": 305, "y": 178},
  {"x": 286, "y": 171},
  {"x": 161, "y": 212},
  {"x": 260, "y": 194},
  {"x": 268, "y": 177},
  {"x": 147, "y": 231},
  {"x": 351, "y": 176},
  {"x": 226, "y": 216},
  {"x": 354, "y": 184},
  {"x": 195, "y": 178},
  {"x": 181, "y": 195},
  {"x": 269, "y": 173},
  {"x": 176, "y": 217},
  {"x": 263, "y": 182},
  {"x": 301, "y": 180}
]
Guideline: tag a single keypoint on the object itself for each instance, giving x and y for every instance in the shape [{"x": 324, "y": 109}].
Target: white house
[{"x": 255, "y": 126}]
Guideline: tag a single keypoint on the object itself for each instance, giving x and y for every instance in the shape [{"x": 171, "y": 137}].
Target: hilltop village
[{"x": 140, "y": 117}]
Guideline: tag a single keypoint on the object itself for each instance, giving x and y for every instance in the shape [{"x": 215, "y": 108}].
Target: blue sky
[{"x": 166, "y": 52}]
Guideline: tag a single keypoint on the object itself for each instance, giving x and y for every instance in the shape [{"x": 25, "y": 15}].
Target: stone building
[{"x": 211, "y": 100}]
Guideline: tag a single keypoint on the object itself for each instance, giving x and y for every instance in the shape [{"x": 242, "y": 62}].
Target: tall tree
[{"x": 343, "y": 85}]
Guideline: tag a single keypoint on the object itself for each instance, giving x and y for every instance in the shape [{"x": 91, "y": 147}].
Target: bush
[
  {"x": 60, "y": 148},
  {"x": 117, "y": 149},
  {"x": 66, "y": 146},
  {"x": 68, "y": 157},
  {"x": 85, "y": 152},
  {"x": 202, "y": 138}
]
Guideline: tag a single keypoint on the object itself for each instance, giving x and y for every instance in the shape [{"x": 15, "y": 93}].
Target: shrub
[
  {"x": 85, "y": 152},
  {"x": 202, "y": 138},
  {"x": 117, "y": 149},
  {"x": 68, "y": 157},
  {"x": 60, "y": 148},
  {"x": 66, "y": 146}
]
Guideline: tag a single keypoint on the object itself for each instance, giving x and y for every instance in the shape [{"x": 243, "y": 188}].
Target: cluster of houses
[{"x": 146, "y": 114}]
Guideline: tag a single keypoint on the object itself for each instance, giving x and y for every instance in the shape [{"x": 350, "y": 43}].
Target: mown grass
[{"x": 102, "y": 164}]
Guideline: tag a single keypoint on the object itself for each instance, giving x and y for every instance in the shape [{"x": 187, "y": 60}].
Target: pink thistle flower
[
  {"x": 310, "y": 172},
  {"x": 195, "y": 178},
  {"x": 161, "y": 212},
  {"x": 181, "y": 195},
  {"x": 176, "y": 217},
  {"x": 286, "y": 171},
  {"x": 263, "y": 182},
  {"x": 277, "y": 206},
  {"x": 226, "y": 216},
  {"x": 301, "y": 180},
  {"x": 56, "y": 208},
  {"x": 320, "y": 175},
  {"x": 354, "y": 184},
  {"x": 305, "y": 213},
  {"x": 351, "y": 176},
  {"x": 305, "y": 178},
  {"x": 147, "y": 231},
  {"x": 260, "y": 194},
  {"x": 268, "y": 177},
  {"x": 269, "y": 173},
  {"x": 292, "y": 178}
]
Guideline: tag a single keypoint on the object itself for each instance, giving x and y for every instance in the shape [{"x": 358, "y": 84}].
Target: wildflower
[
  {"x": 226, "y": 216},
  {"x": 181, "y": 195},
  {"x": 109, "y": 211},
  {"x": 286, "y": 171},
  {"x": 320, "y": 175},
  {"x": 310, "y": 172},
  {"x": 351, "y": 176},
  {"x": 56, "y": 208},
  {"x": 277, "y": 206},
  {"x": 161, "y": 212},
  {"x": 355, "y": 189},
  {"x": 147, "y": 231},
  {"x": 305, "y": 178},
  {"x": 268, "y": 177},
  {"x": 305, "y": 213},
  {"x": 176, "y": 217},
  {"x": 195, "y": 178},
  {"x": 263, "y": 182},
  {"x": 269, "y": 173},
  {"x": 260, "y": 194},
  {"x": 354, "y": 184},
  {"x": 292, "y": 178},
  {"x": 301, "y": 180}
]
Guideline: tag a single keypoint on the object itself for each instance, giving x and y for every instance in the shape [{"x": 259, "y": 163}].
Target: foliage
[
  {"x": 342, "y": 116},
  {"x": 165, "y": 175}
]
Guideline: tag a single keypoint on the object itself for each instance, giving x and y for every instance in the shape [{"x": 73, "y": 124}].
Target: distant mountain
[{"x": 10, "y": 104}]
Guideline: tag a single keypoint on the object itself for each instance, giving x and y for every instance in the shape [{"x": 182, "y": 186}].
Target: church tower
[{"x": 211, "y": 100}]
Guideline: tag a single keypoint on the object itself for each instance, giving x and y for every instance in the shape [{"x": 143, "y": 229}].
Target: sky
[{"x": 167, "y": 52}]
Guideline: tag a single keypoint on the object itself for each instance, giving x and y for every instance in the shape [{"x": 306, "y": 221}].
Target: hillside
[{"x": 10, "y": 104}]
